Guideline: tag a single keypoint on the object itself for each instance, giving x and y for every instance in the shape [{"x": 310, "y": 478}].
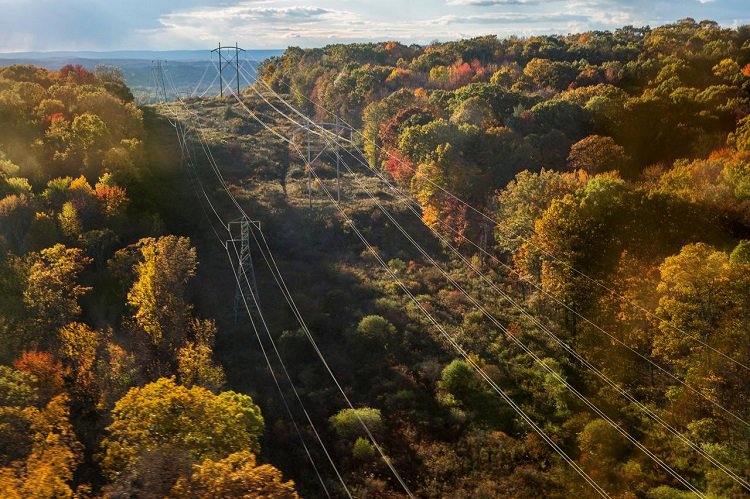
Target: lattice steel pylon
[
  {"x": 323, "y": 146},
  {"x": 247, "y": 287},
  {"x": 223, "y": 60}
]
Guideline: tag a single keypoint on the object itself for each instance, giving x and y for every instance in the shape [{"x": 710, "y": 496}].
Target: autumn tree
[
  {"x": 703, "y": 301},
  {"x": 189, "y": 422},
  {"x": 78, "y": 348},
  {"x": 441, "y": 210},
  {"x": 547, "y": 73},
  {"x": 195, "y": 363},
  {"x": 525, "y": 199},
  {"x": 55, "y": 453},
  {"x": 52, "y": 289},
  {"x": 596, "y": 154},
  {"x": 159, "y": 294},
  {"x": 691, "y": 299},
  {"x": 237, "y": 475},
  {"x": 581, "y": 236},
  {"x": 117, "y": 370},
  {"x": 46, "y": 370}
]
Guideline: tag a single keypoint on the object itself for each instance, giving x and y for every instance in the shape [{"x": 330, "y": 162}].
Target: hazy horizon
[{"x": 188, "y": 54}]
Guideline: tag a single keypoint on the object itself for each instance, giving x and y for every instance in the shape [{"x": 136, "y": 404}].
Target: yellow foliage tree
[
  {"x": 48, "y": 471},
  {"x": 188, "y": 420},
  {"x": 237, "y": 475},
  {"x": 158, "y": 295}
]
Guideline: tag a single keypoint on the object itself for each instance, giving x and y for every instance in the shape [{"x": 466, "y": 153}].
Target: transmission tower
[
  {"x": 228, "y": 60},
  {"x": 311, "y": 128},
  {"x": 247, "y": 284}
]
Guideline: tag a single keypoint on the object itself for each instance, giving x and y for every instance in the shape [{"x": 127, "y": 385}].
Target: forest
[{"x": 584, "y": 202}]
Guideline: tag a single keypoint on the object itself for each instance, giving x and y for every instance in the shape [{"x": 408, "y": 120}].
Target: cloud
[
  {"x": 247, "y": 13},
  {"x": 490, "y": 3},
  {"x": 266, "y": 26},
  {"x": 271, "y": 26},
  {"x": 510, "y": 18},
  {"x": 78, "y": 24}
]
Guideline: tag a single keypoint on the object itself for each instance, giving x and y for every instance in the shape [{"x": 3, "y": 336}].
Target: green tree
[
  {"x": 376, "y": 329},
  {"x": 740, "y": 138},
  {"x": 348, "y": 423},
  {"x": 17, "y": 388},
  {"x": 16, "y": 215},
  {"x": 363, "y": 450},
  {"x": 741, "y": 253},
  {"x": 602, "y": 448},
  {"x": 472, "y": 111},
  {"x": 70, "y": 222},
  {"x": 466, "y": 390}
]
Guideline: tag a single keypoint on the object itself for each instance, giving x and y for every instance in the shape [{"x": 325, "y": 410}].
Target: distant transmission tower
[{"x": 230, "y": 61}]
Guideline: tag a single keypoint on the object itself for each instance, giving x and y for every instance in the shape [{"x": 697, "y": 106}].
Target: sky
[{"x": 51, "y": 25}]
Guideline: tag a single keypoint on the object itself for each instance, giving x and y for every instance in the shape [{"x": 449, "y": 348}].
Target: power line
[
  {"x": 471, "y": 362},
  {"x": 623, "y": 392},
  {"x": 367, "y": 430},
  {"x": 560, "y": 302},
  {"x": 286, "y": 372},
  {"x": 271, "y": 370},
  {"x": 518, "y": 343},
  {"x": 285, "y": 403},
  {"x": 278, "y": 277},
  {"x": 205, "y": 72},
  {"x": 466, "y": 357}
]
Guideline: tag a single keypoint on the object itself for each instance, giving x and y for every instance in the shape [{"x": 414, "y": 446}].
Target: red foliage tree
[
  {"x": 399, "y": 167},
  {"x": 461, "y": 74},
  {"x": 76, "y": 73},
  {"x": 112, "y": 198},
  {"x": 47, "y": 370},
  {"x": 54, "y": 118}
]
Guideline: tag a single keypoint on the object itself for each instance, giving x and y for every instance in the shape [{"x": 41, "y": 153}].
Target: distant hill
[
  {"x": 171, "y": 55},
  {"x": 190, "y": 70}
]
